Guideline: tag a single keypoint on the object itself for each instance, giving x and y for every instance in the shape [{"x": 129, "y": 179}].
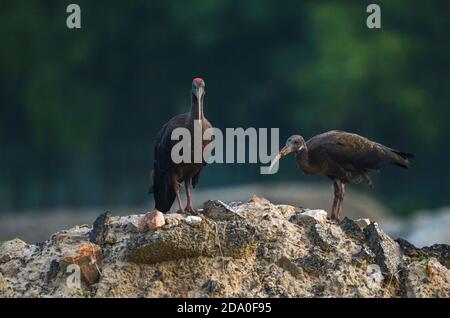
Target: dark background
[{"x": 79, "y": 109}]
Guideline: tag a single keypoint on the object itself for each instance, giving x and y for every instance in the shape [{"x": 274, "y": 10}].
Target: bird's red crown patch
[{"x": 198, "y": 80}]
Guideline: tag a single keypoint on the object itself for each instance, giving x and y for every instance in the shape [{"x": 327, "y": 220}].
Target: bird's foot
[
  {"x": 191, "y": 210},
  {"x": 335, "y": 219}
]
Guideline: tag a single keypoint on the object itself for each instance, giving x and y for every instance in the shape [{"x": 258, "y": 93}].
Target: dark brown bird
[
  {"x": 343, "y": 157},
  {"x": 166, "y": 176}
]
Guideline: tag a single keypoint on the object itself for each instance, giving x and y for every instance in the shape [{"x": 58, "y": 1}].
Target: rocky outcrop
[{"x": 250, "y": 249}]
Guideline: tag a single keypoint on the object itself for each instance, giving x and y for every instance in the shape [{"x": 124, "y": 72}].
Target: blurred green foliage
[{"x": 79, "y": 109}]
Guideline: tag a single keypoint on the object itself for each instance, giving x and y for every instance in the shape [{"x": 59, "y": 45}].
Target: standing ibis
[
  {"x": 166, "y": 176},
  {"x": 343, "y": 157}
]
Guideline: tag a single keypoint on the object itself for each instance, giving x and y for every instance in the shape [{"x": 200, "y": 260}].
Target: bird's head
[
  {"x": 293, "y": 144},
  {"x": 198, "y": 87}
]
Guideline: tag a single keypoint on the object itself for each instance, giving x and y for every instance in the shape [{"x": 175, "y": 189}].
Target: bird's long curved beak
[
  {"x": 199, "y": 92},
  {"x": 282, "y": 153}
]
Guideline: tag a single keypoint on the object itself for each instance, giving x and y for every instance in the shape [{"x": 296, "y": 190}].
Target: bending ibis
[
  {"x": 343, "y": 157},
  {"x": 166, "y": 176}
]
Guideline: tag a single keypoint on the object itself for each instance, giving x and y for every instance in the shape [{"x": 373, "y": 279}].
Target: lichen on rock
[{"x": 239, "y": 249}]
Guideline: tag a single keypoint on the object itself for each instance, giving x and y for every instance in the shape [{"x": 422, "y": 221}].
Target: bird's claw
[
  {"x": 335, "y": 219},
  {"x": 190, "y": 210},
  {"x": 181, "y": 211}
]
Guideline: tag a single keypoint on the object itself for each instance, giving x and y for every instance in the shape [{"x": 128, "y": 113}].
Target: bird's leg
[
  {"x": 337, "y": 192},
  {"x": 187, "y": 185},
  {"x": 176, "y": 186},
  {"x": 341, "y": 199}
]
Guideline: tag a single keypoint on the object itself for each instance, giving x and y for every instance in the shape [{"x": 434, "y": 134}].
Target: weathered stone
[
  {"x": 285, "y": 263},
  {"x": 288, "y": 211},
  {"x": 352, "y": 229},
  {"x": 315, "y": 264},
  {"x": 408, "y": 248},
  {"x": 4, "y": 288},
  {"x": 374, "y": 276},
  {"x": 15, "y": 248},
  {"x": 152, "y": 220},
  {"x": 75, "y": 235},
  {"x": 439, "y": 251},
  {"x": 323, "y": 238},
  {"x": 173, "y": 219},
  {"x": 10, "y": 269},
  {"x": 129, "y": 223},
  {"x": 262, "y": 255},
  {"x": 426, "y": 278},
  {"x": 53, "y": 270},
  {"x": 193, "y": 220},
  {"x": 110, "y": 238},
  {"x": 259, "y": 200},
  {"x": 34, "y": 276},
  {"x": 219, "y": 211},
  {"x": 213, "y": 286},
  {"x": 234, "y": 239},
  {"x": 2, "y": 284},
  {"x": 362, "y": 223},
  {"x": 309, "y": 217},
  {"x": 100, "y": 229},
  {"x": 364, "y": 254},
  {"x": 386, "y": 250},
  {"x": 5, "y": 257},
  {"x": 89, "y": 258}
]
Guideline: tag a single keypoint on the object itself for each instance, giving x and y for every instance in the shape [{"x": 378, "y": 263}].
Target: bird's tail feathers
[
  {"x": 402, "y": 158},
  {"x": 164, "y": 193}
]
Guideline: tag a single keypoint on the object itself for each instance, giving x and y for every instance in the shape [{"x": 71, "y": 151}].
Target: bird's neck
[
  {"x": 302, "y": 158},
  {"x": 197, "y": 108}
]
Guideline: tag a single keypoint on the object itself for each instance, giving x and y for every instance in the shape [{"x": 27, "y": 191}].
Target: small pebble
[
  {"x": 152, "y": 220},
  {"x": 192, "y": 220}
]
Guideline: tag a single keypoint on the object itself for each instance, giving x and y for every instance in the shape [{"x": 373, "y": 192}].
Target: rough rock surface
[{"x": 251, "y": 249}]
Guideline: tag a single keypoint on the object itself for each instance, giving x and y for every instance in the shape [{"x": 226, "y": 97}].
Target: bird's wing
[
  {"x": 353, "y": 152},
  {"x": 163, "y": 147},
  {"x": 160, "y": 163}
]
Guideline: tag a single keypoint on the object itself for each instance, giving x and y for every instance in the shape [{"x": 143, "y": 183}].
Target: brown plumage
[
  {"x": 343, "y": 157},
  {"x": 166, "y": 176}
]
